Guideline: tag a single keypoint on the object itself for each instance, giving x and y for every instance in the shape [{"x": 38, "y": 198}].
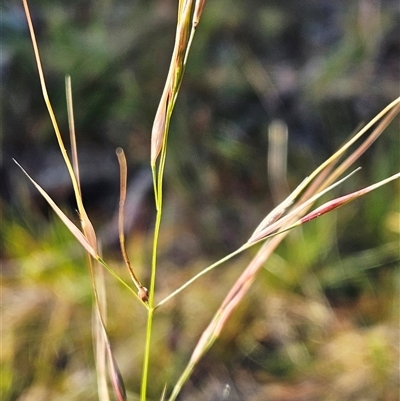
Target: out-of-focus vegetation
[{"x": 321, "y": 322}]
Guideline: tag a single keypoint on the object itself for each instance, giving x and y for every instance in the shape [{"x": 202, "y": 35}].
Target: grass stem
[{"x": 157, "y": 182}]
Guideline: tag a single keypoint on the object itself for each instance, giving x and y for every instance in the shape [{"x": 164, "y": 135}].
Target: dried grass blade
[
  {"x": 159, "y": 128},
  {"x": 235, "y": 295},
  {"x": 338, "y": 202},
  {"x": 385, "y": 121},
  {"x": 86, "y": 224},
  {"x": 278, "y": 211},
  {"x": 142, "y": 291},
  {"x": 73, "y": 229},
  {"x": 175, "y": 74},
  {"x": 387, "y": 115},
  {"x": 71, "y": 226},
  {"x": 47, "y": 100},
  {"x": 71, "y": 124},
  {"x": 259, "y": 234},
  {"x": 99, "y": 309},
  {"x": 85, "y": 221},
  {"x": 114, "y": 372},
  {"x": 102, "y": 339},
  {"x": 393, "y": 105}
]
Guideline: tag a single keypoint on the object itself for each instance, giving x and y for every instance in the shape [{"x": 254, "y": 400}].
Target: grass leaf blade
[{"x": 71, "y": 226}]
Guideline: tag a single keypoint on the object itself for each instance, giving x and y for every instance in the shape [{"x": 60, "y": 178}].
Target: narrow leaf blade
[{"x": 69, "y": 224}]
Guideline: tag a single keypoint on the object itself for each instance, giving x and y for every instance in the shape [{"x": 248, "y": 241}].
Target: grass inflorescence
[{"x": 295, "y": 209}]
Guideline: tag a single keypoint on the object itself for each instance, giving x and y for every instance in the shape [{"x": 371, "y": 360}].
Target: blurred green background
[{"x": 321, "y": 322}]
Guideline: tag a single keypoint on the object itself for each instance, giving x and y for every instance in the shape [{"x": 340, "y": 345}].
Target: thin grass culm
[
  {"x": 189, "y": 13},
  {"x": 292, "y": 212}
]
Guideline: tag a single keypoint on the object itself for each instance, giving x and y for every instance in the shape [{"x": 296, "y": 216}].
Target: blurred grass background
[{"x": 322, "y": 321}]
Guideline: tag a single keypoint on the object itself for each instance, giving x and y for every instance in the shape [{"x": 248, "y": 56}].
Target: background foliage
[{"x": 322, "y": 320}]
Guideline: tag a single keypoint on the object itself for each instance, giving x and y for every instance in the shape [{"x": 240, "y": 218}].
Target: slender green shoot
[{"x": 189, "y": 13}]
